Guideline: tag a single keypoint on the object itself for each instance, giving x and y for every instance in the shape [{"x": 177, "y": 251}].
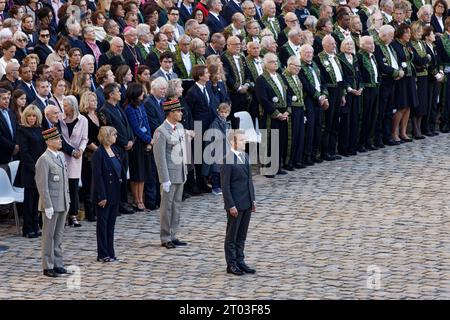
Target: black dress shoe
[
  {"x": 371, "y": 147},
  {"x": 106, "y": 259},
  {"x": 270, "y": 176},
  {"x": 436, "y": 133},
  {"x": 245, "y": 268},
  {"x": 60, "y": 270},
  {"x": 406, "y": 139},
  {"x": 179, "y": 242},
  {"x": 50, "y": 273},
  {"x": 288, "y": 167},
  {"x": 31, "y": 235},
  {"x": 429, "y": 134},
  {"x": 168, "y": 245},
  {"x": 281, "y": 172},
  {"x": 362, "y": 149},
  {"x": 308, "y": 162},
  {"x": 186, "y": 195},
  {"x": 336, "y": 157},
  {"x": 380, "y": 145},
  {"x": 328, "y": 157},
  {"x": 392, "y": 142},
  {"x": 419, "y": 137},
  {"x": 235, "y": 270},
  {"x": 300, "y": 166},
  {"x": 73, "y": 222}
]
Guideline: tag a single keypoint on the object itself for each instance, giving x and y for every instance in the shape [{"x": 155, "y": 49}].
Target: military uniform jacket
[
  {"x": 169, "y": 150},
  {"x": 52, "y": 182}
]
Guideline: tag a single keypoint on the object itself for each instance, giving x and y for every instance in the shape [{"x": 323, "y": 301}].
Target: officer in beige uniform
[
  {"x": 52, "y": 184},
  {"x": 169, "y": 149}
]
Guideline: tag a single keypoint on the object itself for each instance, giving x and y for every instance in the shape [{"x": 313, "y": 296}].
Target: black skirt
[
  {"x": 139, "y": 162},
  {"x": 406, "y": 93}
]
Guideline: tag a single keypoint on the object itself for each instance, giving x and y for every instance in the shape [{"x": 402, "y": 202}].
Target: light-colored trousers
[
  {"x": 169, "y": 211},
  {"x": 52, "y": 234}
]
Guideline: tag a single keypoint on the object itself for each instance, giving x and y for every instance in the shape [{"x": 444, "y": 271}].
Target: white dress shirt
[
  {"x": 278, "y": 83},
  {"x": 394, "y": 63},
  {"x": 258, "y": 66},
  {"x": 374, "y": 66},
  {"x": 203, "y": 90},
  {"x": 337, "y": 71},
  {"x": 186, "y": 57},
  {"x": 295, "y": 48},
  {"x": 237, "y": 60}
]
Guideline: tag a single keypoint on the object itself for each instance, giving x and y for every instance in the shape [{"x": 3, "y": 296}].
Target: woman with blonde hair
[
  {"x": 32, "y": 146},
  {"x": 80, "y": 84},
  {"x": 88, "y": 108},
  {"x": 198, "y": 49},
  {"x": 74, "y": 129}
]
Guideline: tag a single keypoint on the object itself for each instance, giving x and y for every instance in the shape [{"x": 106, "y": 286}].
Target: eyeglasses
[
  {"x": 22, "y": 40},
  {"x": 45, "y": 35}
]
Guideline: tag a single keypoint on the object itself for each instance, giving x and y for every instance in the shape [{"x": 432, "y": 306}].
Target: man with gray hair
[
  {"x": 12, "y": 74},
  {"x": 387, "y": 7},
  {"x": 269, "y": 20},
  {"x": 184, "y": 60},
  {"x": 331, "y": 70},
  {"x": 216, "y": 45},
  {"x": 291, "y": 21},
  {"x": 236, "y": 28},
  {"x": 130, "y": 54},
  {"x": 57, "y": 71},
  {"x": 114, "y": 55},
  {"x": 292, "y": 47},
  {"x": 268, "y": 44},
  {"x": 145, "y": 39},
  {"x": 214, "y": 21},
  {"x": 168, "y": 30},
  {"x": 255, "y": 68},
  {"x": 391, "y": 72},
  {"x": 424, "y": 14},
  {"x": 155, "y": 114},
  {"x": 370, "y": 82},
  {"x": 275, "y": 101},
  {"x": 87, "y": 65}
]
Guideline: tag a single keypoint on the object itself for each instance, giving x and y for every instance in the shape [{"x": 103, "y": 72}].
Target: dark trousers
[
  {"x": 383, "y": 126},
  {"x": 282, "y": 127},
  {"x": 152, "y": 196},
  {"x": 73, "y": 193},
  {"x": 215, "y": 180},
  {"x": 106, "y": 221},
  {"x": 236, "y": 235},
  {"x": 124, "y": 185},
  {"x": 331, "y": 123},
  {"x": 85, "y": 192},
  {"x": 344, "y": 131},
  {"x": 238, "y": 103},
  {"x": 30, "y": 210},
  {"x": 297, "y": 135},
  {"x": 429, "y": 122},
  {"x": 313, "y": 128},
  {"x": 445, "y": 114},
  {"x": 369, "y": 115}
]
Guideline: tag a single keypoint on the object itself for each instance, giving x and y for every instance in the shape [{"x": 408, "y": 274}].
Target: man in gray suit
[
  {"x": 169, "y": 149},
  {"x": 166, "y": 69},
  {"x": 239, "y": 201},
  {"x": 53, "y": 187}
]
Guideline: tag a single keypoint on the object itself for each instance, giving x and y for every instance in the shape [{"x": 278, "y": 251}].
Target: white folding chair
[
  {"x": 13, "y": 167},
  {"x": 9, "y": 196},
  {"x": 246, "y": 124}
]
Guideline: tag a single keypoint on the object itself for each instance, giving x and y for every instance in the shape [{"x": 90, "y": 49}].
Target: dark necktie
[
  {"x": 168, "y": 75},
  {"x": 206, "y": 94}
]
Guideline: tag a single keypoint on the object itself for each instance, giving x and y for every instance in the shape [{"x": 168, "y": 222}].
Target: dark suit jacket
[
  {"x": 435, "y": 24},
  {"x": 152, "y": 61},
  {"x": 32, "y": 146},
  {"x": 31, "y": 96},
  {"x": 7, "y": 142},
  {"x": 105, "y": 178},
  {"x": 38, "y": 103},
  {"x": 155, "y": 112},
  {"x": 184, "y": 14},
  {"x": 129, "y": 56},
  {"x": 66, "y": 148},
  {"x": 198, "y": 104},
  {"x": 21, "y": 54},
  {"x": 42, "y": 51},
  {"x": 77, "y": 43},
  {"x": 229, "y": 9},
  {"x": 265, "y": 93},
  {"x": 214, "y": 24},
  {"x": 236, "y": 182},
  {"x": 32, "y": 43},
  {"x": 100, "y": 96},
  {"x": 210, "y": 51},
  {"x": 109, "y": 116}
]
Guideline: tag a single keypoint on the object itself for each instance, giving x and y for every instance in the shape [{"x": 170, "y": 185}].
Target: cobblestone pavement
[{"x": 373, "y": 226}]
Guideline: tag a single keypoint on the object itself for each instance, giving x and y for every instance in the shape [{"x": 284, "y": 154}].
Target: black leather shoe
[
  {"x": 419, "y": 137},
  {"x": 436, "y": 133},
  {"x": 245, "y": 268},
  {"x": 107, "y": 259},
  {"x": 168, "y": 245},
  {"x": 299, "y": 166},
  {"x": 73, "y": 222},
  {"x": 392, "y": 142},
  {"x": 235, "y": 270},
  {"x": 328, "y": 157},
  {"x": 31, "y": 235},
  {"x": 179, "y": 242},
  {"x": 60, "y": 270},
  {"x": 270, "y": 176},
  {"x": 336, "y": 157},
  {"x": 281, "y": 172},
  {"x": 50, "y": 273},
  {"x": 371, "y": 147},
  {"x": 428, "y": 134},
  {"x": 288, "y": 167},
  {"x": 406, "y": 139}
]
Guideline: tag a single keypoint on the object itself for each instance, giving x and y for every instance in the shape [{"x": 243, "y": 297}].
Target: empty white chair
[
  {"x": 9, "y": 196},
  {"x": 246, "y": 124},
  {"x": 13, "y": 167}
]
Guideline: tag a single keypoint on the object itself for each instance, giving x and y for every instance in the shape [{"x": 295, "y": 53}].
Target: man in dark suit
[
  {"x": 215, "y": 22},
  {"x": 216, "y": 45},
  {"x": 202, "y": 102},
  {"x": 130, "y": 53},
  {"x": 26, "y": 84},
  {"x": 43, "y": 90},
  {"x": 104, "y": 75},
  {"x": 239, "y": 202},
  {"x": 50, "y": 119},
  {"x": 8, "y": 126},
  {"x": 114, "y": 55},
  {"x": 186, "y": 10},
  {"x": 161, "y": 45},
  {"x": 231, "y": 8},
  {"x": 43, "y": 49},
  {"x": 156, "y": 116},
  {"x": 112, "y": 115}
]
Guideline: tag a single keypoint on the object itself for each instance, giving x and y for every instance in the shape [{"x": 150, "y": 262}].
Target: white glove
[
  {"x": 166, "y": 186},
  {"x": 49, "y": 212}
]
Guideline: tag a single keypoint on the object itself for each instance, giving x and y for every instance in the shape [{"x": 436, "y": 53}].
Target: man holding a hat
[
  {"x": 53, "y": 187},
  {"x": 169, "y": 149}
]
